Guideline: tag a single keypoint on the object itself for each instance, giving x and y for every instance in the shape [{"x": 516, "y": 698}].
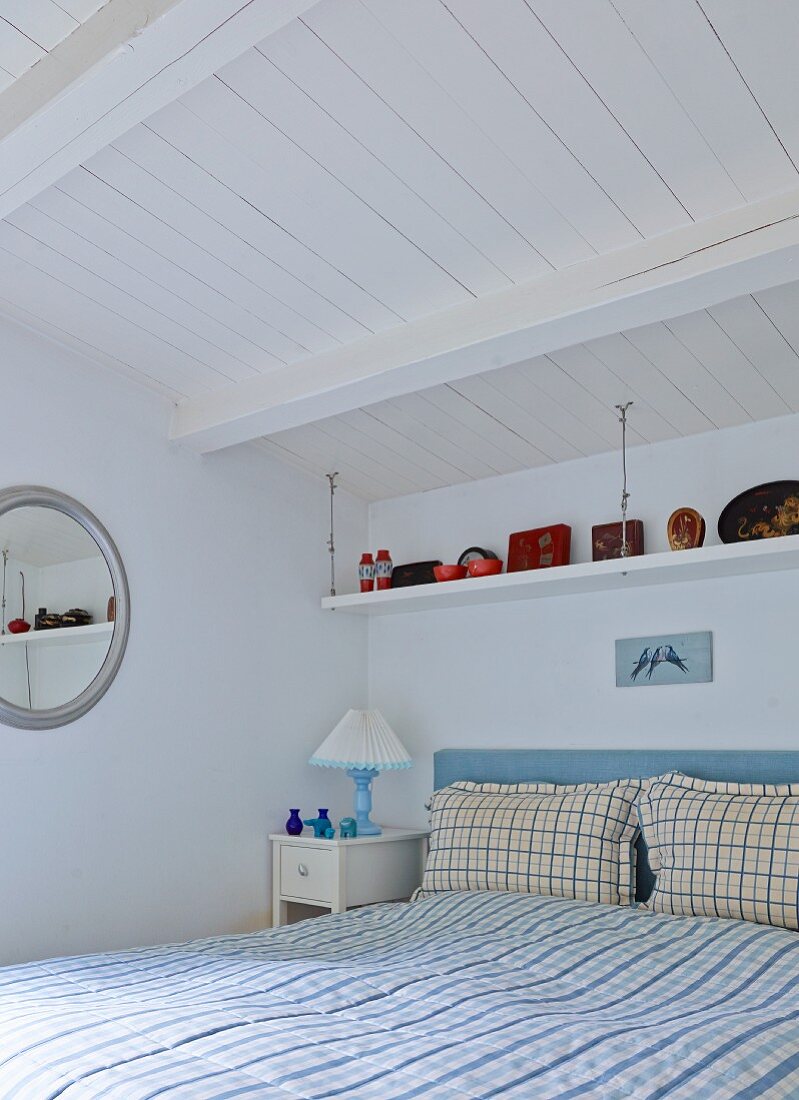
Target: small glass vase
[
  {"x": 322, "y": 815},
  {"x": 294, "y": 823}
]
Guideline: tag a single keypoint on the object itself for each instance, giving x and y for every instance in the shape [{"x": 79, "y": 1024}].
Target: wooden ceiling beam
[
  {"x": 128, "y": 60},
  {"x": 743, "y": 251}
]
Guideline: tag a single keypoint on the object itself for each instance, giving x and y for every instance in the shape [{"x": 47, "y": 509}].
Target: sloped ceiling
[{"x": 374, "y": 162}]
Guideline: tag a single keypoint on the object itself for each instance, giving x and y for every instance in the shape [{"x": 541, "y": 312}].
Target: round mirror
[{"x": 65, "y": 608}]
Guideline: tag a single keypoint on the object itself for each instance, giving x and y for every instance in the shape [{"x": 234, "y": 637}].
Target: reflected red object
[
  {"x": 18, "y": 626},
  {"x": 484, "y": 567}
]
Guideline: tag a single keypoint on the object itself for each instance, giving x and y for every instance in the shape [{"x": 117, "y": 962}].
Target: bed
[{"x": 457, "y": 995}]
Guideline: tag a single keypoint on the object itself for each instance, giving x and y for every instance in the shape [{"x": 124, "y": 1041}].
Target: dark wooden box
[
  {"x": 606, "y": 539},
  {"x": 540, "y": 548},
  {"x": 415, "y": 572}
]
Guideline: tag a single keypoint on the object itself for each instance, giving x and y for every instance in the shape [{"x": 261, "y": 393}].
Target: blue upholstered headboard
[{"x": 600, "y": 765}]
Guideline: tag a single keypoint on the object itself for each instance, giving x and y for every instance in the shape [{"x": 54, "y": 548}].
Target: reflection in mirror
[{"x": 55, "y": 563}]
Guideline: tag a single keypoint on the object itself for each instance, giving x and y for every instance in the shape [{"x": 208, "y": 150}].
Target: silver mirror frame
[{"x": 36, "y": 496}]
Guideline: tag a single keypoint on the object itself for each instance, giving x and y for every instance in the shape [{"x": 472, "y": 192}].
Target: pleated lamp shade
[{"x": 363, "y": 739}]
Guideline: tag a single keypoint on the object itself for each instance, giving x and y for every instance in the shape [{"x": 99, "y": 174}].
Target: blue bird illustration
[
  {"x": 658, "y": 657},
  {"x": 673, "y": 657},
  {"x": 643, "y": 661}
]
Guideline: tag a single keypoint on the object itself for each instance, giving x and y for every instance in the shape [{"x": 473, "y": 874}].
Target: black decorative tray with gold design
[{"x": 765, "y": 512}]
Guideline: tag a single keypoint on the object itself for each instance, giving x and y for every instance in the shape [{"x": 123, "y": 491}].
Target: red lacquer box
[
  {"x": 540, "y": 548},
  {"x": 606, "y": 539}
]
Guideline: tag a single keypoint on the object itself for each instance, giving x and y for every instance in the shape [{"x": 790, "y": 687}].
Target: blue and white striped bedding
[{"x": 458, "y": 995}]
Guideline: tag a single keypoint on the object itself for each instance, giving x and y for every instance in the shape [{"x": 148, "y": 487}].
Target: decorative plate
[
  {"x": 476, "y": 553},
  {"x": 765, "y": 512},
  {"x": 685, "y": 529}
]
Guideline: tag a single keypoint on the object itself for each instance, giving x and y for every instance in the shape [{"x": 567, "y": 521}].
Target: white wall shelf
[
  {"x": 673, "y": 567},
  {"x": 65, "y": 635}
]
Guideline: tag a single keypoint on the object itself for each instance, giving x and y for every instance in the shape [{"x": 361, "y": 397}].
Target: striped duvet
[{"x": 458, "y": 995}]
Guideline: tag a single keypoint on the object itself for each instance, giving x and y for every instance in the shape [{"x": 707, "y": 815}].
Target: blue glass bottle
[{"x": 294, "y": 823}]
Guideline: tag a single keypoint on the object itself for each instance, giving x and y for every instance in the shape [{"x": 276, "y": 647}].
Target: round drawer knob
[{"x": 302, "y": 869}]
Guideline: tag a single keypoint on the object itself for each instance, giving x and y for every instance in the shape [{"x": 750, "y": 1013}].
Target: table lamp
[{"x": 365, "y": 744}]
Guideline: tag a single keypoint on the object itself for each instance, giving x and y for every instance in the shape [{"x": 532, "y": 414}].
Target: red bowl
[
  {"x": 484, "y": 567},
  {"x": 18, "y": 626},
  {"x": 449, "y": 572}
]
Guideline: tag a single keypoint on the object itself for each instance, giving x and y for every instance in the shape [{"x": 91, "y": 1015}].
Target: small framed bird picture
[{"x": 665, "y": 659}]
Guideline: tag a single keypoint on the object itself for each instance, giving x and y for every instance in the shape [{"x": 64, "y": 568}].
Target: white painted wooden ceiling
[
  {"x": 717, "y": 368},
  {"x": 30, "y": 29},
  {"x": 374, "y": 162},
  {"x": 44, "y": 536}
]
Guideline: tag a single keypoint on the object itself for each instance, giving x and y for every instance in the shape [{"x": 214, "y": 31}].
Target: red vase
[
  {"x": 366, "y": 572},
  {"x": 383, "y": 567},
  {"x": 18, "y": 626}
]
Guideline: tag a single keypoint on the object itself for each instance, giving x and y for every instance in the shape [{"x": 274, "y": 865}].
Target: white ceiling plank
[
  {"x": 680, "y": 42},
  {"x": 228, "y": 350},
  {"x": 781, "y": 306},
  {"x": 18, "y": 53},
  {"x": 234, "y": 326},
  {"x": 443, "y": 459},
  {"x": 496, "y": 395},
  {"x": 415, "y": 460},
  {"x": 194, "y": 373},
  {"x": 633, "y": 369},
  {"x": 748, "y": 325},
  {"x": 332, "y": 454},
  {"x": 261, "y": 190},
  {"x": 508, "y": 421},
  {"x": 348, "y": 479},
  {"x": 624, "y": 78},
  {"x": 315, "y": 206},
  {"x": 493, "y": 460},
  {"x": 206, "y": 212},
  {"x": 452, "y": 58},
  {"x": 555, "y": 88},
  {"x": 81, "y": 9},
  {"x": 547, "y": 374},
  {"x": 84, "y": 319},
  {"x": 378, "y": 455},
  {"x": 416, "y": 438},
  {"x": 71, "y": 266},
  {"x": 336, "y": 88},
  {"x": 472, "y": 417},
  {"x": 308, "y": 456},
  {"x": 257, "y": 315},
  {"x": 749, "y": 249},
  {"x": 663, "y": 349},
  {"x": 714, "y": 349},
  {"x": 83, "y": 345},
  {"x": 42, "y": 21},
  {"x": 559, "y": 435},
  {"x": 588, "y": 371},
  {"x": 761, "y": 42},
  {"x": 126, "y": 61},
  {"x": 402, "y": 454},
  {"x": 364, "y": 44},
  {"x": 289, "y": 109}
]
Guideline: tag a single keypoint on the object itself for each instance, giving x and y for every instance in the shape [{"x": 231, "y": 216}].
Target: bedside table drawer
[{"x": 306, "y": 872}]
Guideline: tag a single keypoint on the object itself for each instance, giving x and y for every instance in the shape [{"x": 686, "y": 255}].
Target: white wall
[
  {"x": 147, "y": 820},
  {"x": 541, "y": 673}
]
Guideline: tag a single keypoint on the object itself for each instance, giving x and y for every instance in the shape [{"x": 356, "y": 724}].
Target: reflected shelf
[
  {"x": 65, "y": 635},
  {"x": 671, "y": 567}
]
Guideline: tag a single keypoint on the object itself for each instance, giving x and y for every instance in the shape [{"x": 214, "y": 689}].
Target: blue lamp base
[{"x": 363, "y": 800}]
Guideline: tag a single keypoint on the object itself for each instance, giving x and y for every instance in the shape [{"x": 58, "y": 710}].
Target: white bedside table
[{"x": 337, "y": 874}]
